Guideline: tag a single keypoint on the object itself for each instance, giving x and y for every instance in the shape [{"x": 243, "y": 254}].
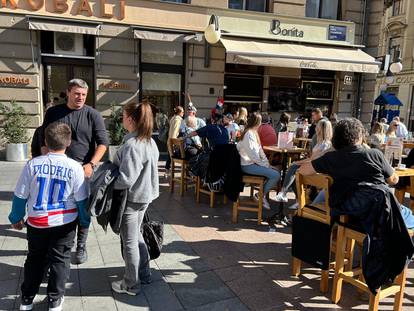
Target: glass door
[
  {"x": 162, "y": 90},
  {"x": 57, "y": 74}
]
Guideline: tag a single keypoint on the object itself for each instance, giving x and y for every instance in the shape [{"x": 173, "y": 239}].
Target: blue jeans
[
  {"x": 406, "y": 213},
  {"x": 290, "y": 177},
  {"x": 272, "y": 175}
]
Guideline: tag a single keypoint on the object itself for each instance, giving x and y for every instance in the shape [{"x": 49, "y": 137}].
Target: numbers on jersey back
[{"x": 55, "y": 192}]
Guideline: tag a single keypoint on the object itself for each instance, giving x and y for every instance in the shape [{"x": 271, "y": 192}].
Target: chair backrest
[
  {"x": 177, "y": 144},
  {"x": 320, "y": 212}
]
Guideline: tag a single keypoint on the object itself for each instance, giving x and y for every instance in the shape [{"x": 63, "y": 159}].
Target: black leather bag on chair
[
  {"x": 311, "y": 241},
  {"x": 153, "y": 233}
]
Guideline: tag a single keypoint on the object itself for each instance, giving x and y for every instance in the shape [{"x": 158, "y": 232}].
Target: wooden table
[
  {"x": 408, "y": 145},
  {"x": 286, "y": 154},
  {"x": 400, "y": 193}
]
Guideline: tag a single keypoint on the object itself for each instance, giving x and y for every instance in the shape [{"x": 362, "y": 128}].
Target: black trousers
[
  {"x": 82, "y": 236},
  {"x": 48, "y": 247}
]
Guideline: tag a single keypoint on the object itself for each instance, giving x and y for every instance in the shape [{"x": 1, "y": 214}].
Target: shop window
[
  {"x": 160, "y": 52},
  {"x": 394, "y": 48},
  {"x": 248, "y": 5},
  {"x": 329, "y": 9},
  {"x": 285, "y": 95},
  {"x": 242, "y": 88},
  {"x": 67, "y": 43},
  {"x": 397, "y": 7}
]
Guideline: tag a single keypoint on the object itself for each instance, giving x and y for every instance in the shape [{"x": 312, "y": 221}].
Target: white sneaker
[
  {"x": 120, "y": 288},
  {"x": 281, "y": 197},
  {"x": 266, "y": 204}
]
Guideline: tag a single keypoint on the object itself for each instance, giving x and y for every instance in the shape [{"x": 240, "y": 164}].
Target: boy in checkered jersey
[{"x": 52, "y": 188}]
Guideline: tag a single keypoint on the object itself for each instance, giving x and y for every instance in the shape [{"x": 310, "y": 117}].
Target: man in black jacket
[{"x": 89, "y": 139}]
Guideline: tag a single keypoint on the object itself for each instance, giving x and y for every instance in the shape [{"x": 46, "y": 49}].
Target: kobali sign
[{"x": 82, "y": 7}]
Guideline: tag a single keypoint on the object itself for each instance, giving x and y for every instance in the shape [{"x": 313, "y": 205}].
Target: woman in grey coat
[{"x": 137, "y": 160}]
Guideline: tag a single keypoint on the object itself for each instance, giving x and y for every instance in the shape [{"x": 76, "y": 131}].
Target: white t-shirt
[{"x": 51, "y": 184}]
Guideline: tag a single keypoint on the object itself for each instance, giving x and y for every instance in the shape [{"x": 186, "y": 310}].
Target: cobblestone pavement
[{"x": 208, "y": 263}]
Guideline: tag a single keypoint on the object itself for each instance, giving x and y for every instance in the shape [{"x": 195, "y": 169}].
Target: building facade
[
  {"x": 397, "y": 40},
  {"x": 273, "y": 56}
]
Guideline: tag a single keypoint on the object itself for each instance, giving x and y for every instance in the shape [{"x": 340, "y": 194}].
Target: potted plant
[
  {"x": 14, "y": 132},
  {"x": 116, "y": 131}
]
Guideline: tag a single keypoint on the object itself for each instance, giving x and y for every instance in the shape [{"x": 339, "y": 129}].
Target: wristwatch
[{"x": 92, "y": 164}]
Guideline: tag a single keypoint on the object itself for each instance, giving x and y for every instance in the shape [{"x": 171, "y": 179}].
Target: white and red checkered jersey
[{"x": 52, "y": 184}]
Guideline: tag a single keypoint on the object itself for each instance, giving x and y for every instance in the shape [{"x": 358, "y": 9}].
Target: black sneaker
[
  {"x": 26, "y": 303},
  {"x": 81, "y": 255},
  {"x": 56, "y": 304}
]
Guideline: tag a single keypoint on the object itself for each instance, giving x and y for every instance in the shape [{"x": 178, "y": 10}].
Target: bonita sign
[{"x": 285, "y": 32}]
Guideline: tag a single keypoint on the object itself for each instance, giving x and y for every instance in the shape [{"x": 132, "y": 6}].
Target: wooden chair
[
  {"x": 200, "y": 189},
  {"x": 177, "y": 144},
  {"x": 251, "y": 205},
  {"x": 318, "y": 212},
  {"x": 355, "y": 277}
]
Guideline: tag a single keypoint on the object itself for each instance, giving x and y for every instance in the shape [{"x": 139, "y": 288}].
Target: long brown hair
[
  {"x": 254, "y": 120},
  {"x": 142, "y": 115}
]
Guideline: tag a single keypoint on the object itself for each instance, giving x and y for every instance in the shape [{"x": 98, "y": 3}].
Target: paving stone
[
  {"x": 126, "y": 302},
  {"x": 93, "y": 280},
  {"x": 161, "y": 297},
  {"x": 233, "y": 304},
  {"x": 198, "y": 289},
  {"x": 102, "y": 301},
  {"x": 8, "y": 293}
]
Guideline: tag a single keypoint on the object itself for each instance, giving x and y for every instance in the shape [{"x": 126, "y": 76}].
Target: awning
[
  {"x": 164, "y": 35},
  {"x": 63, "y": 25},
  {"x": 387, "y": 99},
  {"x": 265, "y": 53}
]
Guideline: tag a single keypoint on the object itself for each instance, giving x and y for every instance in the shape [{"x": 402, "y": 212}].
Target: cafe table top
[
  {"x": 276, "y": 149},
  {"x": 404, "y": 172}
]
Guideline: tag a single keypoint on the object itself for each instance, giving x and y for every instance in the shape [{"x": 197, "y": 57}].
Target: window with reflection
[
  {"x": 329, "y": 9},
  {"x": 248, "y": 5}
]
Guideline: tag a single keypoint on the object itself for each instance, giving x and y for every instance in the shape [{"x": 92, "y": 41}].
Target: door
[{"x": 57, "y": 74}]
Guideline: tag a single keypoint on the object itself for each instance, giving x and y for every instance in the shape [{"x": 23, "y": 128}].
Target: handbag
[{"x": 153, "y": 233}]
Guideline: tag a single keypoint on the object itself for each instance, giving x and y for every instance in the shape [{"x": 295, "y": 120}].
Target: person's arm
[
  {"x": 21, "y": 193},
  {"x": 307, "y": 169},
  {"x": 102, "y": 142},
  {"x": 253, "y": 149},
  {"x": 389, "y": 173},
  {"x": 80, "y": 194},
  {"x": 129, "y": 169},
  {"x": 393, "y": 179}
]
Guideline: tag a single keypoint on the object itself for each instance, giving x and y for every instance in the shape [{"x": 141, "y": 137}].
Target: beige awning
[
  {"x": 265, "y": 53},
  {"x": 163, "y": 36},
  {"x": 63, "y": 26}
]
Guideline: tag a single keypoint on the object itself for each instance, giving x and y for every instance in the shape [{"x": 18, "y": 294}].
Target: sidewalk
[{"x": 208, "y": 263}]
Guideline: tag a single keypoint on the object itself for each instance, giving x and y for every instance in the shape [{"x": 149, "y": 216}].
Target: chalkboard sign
[
  {"x": 337, "y": 33},
  {"x": 318, "y": 90}
]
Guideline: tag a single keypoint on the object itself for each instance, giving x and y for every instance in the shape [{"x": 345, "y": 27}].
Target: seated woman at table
[
  {"x": 323, "y": 138},
  {"x": 252, "y": 157},
  {"x": 377, "y": 137},
  {"x": 392, "y": 130}
]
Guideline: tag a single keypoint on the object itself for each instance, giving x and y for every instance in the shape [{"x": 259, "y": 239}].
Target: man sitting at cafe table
[{"x": 352, "y": 165}]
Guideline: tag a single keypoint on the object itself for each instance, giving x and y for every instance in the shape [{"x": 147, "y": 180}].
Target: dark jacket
[
  {"x": 105, "y": 203},
  {"x": 387, "y": 247},
  {"x": 224, "y": 162}
]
